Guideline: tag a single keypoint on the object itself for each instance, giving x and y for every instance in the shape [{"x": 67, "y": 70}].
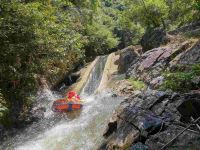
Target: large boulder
[
  {"x": 127, "y": 55},
  {"x": 153, "y": 116},
  {"x": 67, "y": 81},
  {"x": 154, "y": 38}
]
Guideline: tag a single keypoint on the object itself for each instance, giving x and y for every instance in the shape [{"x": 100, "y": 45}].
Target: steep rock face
[
  {"x": 151, "y": 118},
  {"x": 67, "y": 81},
  {"x": 150, "y": 65},
  {"x": 190, "y": 56}
]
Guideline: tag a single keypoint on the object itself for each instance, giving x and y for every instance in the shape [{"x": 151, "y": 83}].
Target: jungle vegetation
[{"x": 50, "y": 38}]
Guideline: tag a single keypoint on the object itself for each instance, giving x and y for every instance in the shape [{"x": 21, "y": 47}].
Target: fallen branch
[{"x": 166, "y": 145}]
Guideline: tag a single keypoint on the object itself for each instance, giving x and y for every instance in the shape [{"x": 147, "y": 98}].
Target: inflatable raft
[{"x": 61, "y": 105}]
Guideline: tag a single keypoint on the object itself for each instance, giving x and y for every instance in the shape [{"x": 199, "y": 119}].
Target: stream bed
[{"x": 79, "y": 130}]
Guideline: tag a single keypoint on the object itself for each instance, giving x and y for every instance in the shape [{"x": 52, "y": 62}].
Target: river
[{"x": 80, "y": 130}]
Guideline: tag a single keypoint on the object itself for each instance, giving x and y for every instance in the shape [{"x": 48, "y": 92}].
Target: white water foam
[
  {"x": 83, "y": 132},
  {"x": 79, "y": 130}
]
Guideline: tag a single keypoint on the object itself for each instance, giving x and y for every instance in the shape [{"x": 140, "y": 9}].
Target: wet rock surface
[
  {"x": 37, "y": 113},
  {"x": 34, "y": 114},
  {"x": 187, "y": 140},
  {"x": 139, "y": 146},
  {"x": 154, "y": 118},
  {"x": 1, "y": 130}
]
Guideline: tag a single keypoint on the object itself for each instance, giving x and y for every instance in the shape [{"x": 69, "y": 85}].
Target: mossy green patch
[
  {"x": 136, "y": 83},
  {"x": 181, "y": 78}
]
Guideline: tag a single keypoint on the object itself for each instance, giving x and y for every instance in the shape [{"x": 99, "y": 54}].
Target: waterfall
[
  {"x": 95, "y": 76},
  {"x": 80, "y": 130}
]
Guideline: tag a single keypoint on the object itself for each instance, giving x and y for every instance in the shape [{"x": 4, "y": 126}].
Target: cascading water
[
  {"x": 80, "y": 130},
  {"x": 95, "y": 77}
]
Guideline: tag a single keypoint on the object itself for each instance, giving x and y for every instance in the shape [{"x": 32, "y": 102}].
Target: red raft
[{"x": 61, "y": 105}]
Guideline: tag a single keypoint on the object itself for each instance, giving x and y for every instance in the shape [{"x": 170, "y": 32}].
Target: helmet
[{"x": 71, "y": 94}]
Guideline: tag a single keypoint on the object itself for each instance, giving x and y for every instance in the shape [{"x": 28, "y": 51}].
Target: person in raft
[{"x": 72, "y": 97}]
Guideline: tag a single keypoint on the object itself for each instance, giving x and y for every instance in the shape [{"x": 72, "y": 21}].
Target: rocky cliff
[{"x": 165, "y": 115}]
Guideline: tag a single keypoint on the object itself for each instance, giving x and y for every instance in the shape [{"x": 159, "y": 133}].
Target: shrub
[{"x": 179, "y": 80}]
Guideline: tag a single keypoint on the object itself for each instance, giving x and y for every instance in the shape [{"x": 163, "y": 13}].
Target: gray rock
[
  {"x": 156, "y": 82},
  {"x": 187, "y": 140},
  {"x": 162, "y": 113},
  {"x": 123, "y": 137},
  {"x": 187, "y": 28},
  {"x": 155, "y": 114},
  {"x": 154, "y": 38},
  {"x": 191, "y": 56},
  {"x": 196, "y": 81},
  {"x": 150, "y": 66},
  {"x": 127, "y": 55},
  {"x": 139, "y": 146}
]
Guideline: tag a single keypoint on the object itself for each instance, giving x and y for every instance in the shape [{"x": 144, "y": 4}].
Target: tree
[
  {"x": 36, "y": 38},
  {"x": 150, "y": 13}
]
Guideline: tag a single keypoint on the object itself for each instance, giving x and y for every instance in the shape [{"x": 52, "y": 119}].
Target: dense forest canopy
[{"x": 50, "y": 38}]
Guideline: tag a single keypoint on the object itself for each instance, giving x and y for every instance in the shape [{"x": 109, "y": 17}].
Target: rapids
[{"x": 80, "y": 130}]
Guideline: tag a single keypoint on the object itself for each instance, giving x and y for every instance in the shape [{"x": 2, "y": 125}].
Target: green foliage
[
  {"x": 131, "y": 32},
  {"x": 140, "y": 15},
  {"x": 150, "y": 12},
  {"x": 47, "y": 38},
  {"x": 137, "y": 84},
  {"x": 34, "y": 40},
  {"x": 197, "y": 5},
  {"x": 101, "y": 40},
  {"x": 50, "y": 38},
  {"x": 180, "y": 80},
  {"x": 181, "y": 12}
]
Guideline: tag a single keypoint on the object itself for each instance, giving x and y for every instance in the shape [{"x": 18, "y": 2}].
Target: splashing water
[{"x": 79, "y": 130}]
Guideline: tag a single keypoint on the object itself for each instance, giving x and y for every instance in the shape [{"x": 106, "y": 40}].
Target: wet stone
[
  {"x": 125, "y": 113},
  {"x": 125, "y": 136},
  {"x": 159, "y": 108},
  {"x": 139, "y": 146},
  {"x": 171, "y": 115},
  {"x": 147, "y": 121},
  {"x": 149, "y": 102},
  {"x": 187, "y": 140}
]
